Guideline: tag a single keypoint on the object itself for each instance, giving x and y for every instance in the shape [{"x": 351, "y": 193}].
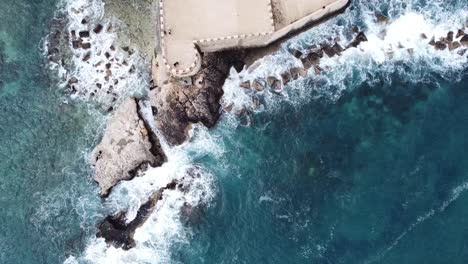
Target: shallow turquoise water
[
  {"x": 43, "y": 175},
  {"x": 378, "y": 176}
]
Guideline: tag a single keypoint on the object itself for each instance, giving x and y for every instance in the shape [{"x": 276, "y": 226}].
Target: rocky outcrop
[
  {"x": 118, "y": 233},
  {"x": 127, "y": 146},
  {"x": 180, "y": 103}
]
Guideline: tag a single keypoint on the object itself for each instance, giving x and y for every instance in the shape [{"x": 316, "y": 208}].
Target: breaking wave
[{"x": 395, "y": 44}]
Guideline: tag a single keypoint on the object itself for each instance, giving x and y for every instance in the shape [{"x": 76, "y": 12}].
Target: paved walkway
[{"x": 212, "y": 25}]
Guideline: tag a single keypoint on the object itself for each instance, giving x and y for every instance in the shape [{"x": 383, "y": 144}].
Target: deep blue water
[
  {"x": 344, "y": 181},
  {"x": 377, "y": 176}
]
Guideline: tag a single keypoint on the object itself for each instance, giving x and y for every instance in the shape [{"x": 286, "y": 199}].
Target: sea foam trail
[{"x": 455, "y": 194}]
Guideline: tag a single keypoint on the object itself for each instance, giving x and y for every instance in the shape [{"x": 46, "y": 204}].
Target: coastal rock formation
[
  {"x": 179, "y": 103},
  {"x": 117, "y": 232},
  {"x": 128, "y": 145}
]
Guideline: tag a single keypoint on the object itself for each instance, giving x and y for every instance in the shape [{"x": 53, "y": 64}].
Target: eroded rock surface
[
  {"x": 180, "y": 103},
  {"x": 128, "y": 145}
]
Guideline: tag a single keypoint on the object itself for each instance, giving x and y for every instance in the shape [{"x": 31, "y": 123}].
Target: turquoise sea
[{"x": 365, "y": 163}]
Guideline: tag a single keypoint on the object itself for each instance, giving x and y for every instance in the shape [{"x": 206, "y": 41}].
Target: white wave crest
[{"x": 393, "y": 46}]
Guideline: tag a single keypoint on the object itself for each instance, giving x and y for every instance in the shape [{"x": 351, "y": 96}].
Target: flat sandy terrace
[{"x": 213, "y": 25}]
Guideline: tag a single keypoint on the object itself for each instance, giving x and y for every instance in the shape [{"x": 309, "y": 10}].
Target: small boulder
[
  {"x": 84, "y": 34},
  {"x": 381, "y": 19},
  {"x": 98, "y": 28},
  {"x": 86, "y": 57},
  {"x": 297, "y": 54},
  {"x": 439, "y": 45},
  {"x": 274, "y": 83},
  {"x": 460, "y": 33},
  {"x": 464, "y": 41},
  {"x": 327, "y": 49},
  {"x": 270, "y": 80},
  {"x": 454, "y": 45},
  {"x": 245, "y": 85},
  {"x": 312, "y": 58},
  {"x": 229, "y": 107},
  {"x": 72, "y": 80},
  {"x": 285, "y": 78},
  {"x": 423, "y": 36},
  {"x": 302, "y": 72},
  {"x": 258, "y": 85},
  {"x": 86, "y": 45},
  {"x": 410, "y": 51},
  {"x": 432, "y": 41},
  {"x": 76, "y": 44},
  {"x": 450, "y": 36},
  {"x": 294, "y": 73}
]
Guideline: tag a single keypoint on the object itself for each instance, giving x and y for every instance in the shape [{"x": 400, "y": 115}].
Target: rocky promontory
[
  {"x": 178, "y": 103},
  {"x": 128, "y": 145}
]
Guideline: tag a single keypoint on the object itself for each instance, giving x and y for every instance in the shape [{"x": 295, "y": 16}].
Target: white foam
[
  {"x": 456, "y": 192},
  {"x": 129, "y": 72},
  {"x": 164, "y": 228},
  {"x": 385, "y": 52}
]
